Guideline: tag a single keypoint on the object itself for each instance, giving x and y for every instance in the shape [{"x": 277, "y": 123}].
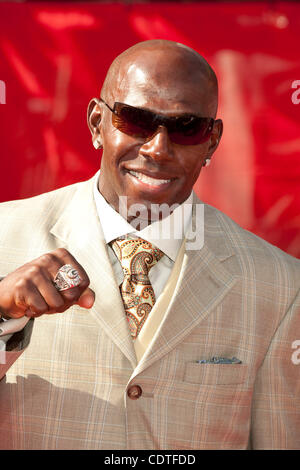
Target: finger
[
  {"x": 15, "y": 314},
  {"x": 31, "y": 314},
  {"x": 52, "y": 262},
  {"x": 31, "y": 299},
  {"x": 71, "y": 295},
  {"x": 87, "y": 299},
  {"x": 49, "y": 293}
]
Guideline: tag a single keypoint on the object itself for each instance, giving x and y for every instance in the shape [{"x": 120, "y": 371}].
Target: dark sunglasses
[{"x": 186, "y": 129}]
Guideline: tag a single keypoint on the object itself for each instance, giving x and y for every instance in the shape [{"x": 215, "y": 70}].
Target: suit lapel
[
  {"x": 79, "y": 229},
  {"x": 202, "y": 284}
]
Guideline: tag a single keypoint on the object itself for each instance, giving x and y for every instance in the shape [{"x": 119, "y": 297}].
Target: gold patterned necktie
[{"x": 137, "y": 257}]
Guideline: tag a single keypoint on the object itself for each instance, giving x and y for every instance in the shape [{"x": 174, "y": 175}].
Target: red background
[{"x": 53, "y": 58}]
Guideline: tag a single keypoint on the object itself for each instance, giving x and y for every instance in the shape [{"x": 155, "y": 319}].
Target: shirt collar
[{"x": 166, "y": 234}]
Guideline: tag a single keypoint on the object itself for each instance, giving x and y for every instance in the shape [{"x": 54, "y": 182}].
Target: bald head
[{"x": 169, "y": 69}]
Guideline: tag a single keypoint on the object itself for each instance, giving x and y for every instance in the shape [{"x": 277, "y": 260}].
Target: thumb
[{"x": 87, "y": 298}]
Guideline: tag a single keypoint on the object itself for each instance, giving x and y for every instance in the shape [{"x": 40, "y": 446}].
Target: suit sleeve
[
  {"x": 276, "y": 400},
  {"x": 15, "y": 346}
]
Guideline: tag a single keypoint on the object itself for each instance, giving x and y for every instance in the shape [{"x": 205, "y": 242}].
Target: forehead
[{"x": 163, "y": 89}]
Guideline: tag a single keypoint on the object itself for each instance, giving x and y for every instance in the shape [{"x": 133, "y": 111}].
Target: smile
[{"x": 148, "y": 179}]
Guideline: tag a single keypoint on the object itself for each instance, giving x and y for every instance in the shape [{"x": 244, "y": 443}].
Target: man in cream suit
[{"x": 214, "y": 363}]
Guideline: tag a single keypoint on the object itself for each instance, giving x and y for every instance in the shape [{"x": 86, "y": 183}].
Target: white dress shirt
[{"x": 166, "y": 234}]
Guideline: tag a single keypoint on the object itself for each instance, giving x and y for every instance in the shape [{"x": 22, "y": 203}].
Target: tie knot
[{"x": 137, "y": 256}]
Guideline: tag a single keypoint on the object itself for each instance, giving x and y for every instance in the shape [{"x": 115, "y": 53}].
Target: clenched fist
[{"x": 30, "y": 290}]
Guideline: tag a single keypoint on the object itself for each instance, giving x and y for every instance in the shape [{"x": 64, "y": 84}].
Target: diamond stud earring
[{"x": 97, "y": 144}]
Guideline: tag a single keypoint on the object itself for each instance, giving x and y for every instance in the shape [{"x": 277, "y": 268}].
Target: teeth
[{"x": 148, "y": 179}]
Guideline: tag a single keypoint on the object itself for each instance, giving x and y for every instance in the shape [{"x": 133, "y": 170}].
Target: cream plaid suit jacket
[{"x": 236, "y": 296}]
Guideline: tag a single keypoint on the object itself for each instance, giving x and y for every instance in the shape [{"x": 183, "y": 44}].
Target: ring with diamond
[{"x": 66, "y": 278}]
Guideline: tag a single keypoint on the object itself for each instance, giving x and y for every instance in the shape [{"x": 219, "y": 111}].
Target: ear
[
  {"x": 215, "y": 137},
  {"x": 93, "y": 121}
]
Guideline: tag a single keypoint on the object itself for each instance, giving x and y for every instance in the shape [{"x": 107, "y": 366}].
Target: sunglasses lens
[
  {"x": 194, "y": 132},
  {"x": 133, "y": 121},
  {"x": 142, "y": 123}
]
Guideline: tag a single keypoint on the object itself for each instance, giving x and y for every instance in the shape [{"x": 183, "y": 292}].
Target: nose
[{"x": 159, "y": 146}]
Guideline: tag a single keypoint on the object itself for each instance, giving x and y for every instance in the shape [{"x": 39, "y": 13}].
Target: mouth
[{"x": 152, "y": 182}]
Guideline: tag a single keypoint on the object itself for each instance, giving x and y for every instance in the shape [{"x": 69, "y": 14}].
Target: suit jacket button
[{"x": 134, "y": 392}]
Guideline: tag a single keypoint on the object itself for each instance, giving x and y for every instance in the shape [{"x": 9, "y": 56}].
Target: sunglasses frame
[{"x": 159, "y": 120}]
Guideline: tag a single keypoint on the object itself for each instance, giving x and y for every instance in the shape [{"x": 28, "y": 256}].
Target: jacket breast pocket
[{"x": 215, "y": 374}]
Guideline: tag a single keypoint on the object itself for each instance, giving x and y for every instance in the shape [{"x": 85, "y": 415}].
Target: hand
[{"x": 30, "y": 291}]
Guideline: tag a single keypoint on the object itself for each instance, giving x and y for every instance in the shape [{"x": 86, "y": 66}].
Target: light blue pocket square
[{"x": 220, "y": 360}]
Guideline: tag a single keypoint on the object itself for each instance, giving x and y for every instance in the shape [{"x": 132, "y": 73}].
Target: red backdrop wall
[{"x": 53, "y": 58}]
